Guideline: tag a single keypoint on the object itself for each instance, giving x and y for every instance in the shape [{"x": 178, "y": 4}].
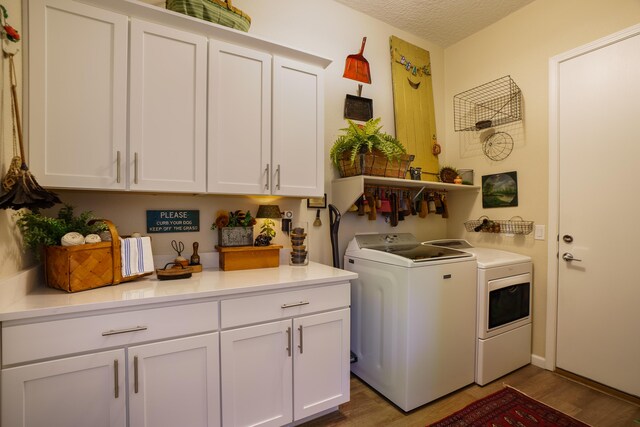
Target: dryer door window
[{"x": 508, "y": 304}]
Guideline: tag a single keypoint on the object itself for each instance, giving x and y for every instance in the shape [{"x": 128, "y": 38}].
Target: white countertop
[{"x": 210, "y": 283}]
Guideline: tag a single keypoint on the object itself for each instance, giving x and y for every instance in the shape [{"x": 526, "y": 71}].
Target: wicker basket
[
  {"x": 82, "y": 267},
  {"x": 216, "y": 11},
  {"x": 375, "y": 163}
]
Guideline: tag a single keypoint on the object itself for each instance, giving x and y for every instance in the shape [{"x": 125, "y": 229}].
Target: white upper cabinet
[
  {"x": 77, "y": 107},
  {"x": 167, "y": 130},
  {"x": 265, "y": 124},
  {"x": 138, "y": 98},
  {"x": 298, "y": 129},
  {"x": 239, "y": 157}
]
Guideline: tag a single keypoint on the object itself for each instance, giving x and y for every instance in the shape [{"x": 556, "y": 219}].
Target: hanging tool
[
  {"x": 21, "y": 190},
  {"x": 317, "y": 222},
  {"x": 357, "y": 68},
  {"x": 334, "y": 226},
  {"x": 372, "y": 210}
]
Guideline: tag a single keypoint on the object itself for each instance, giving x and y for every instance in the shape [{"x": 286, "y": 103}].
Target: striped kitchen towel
[{"x": 137, "y": 257}]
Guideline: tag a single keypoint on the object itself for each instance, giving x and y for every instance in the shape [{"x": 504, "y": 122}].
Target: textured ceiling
[{"x": 443, "y": 22}]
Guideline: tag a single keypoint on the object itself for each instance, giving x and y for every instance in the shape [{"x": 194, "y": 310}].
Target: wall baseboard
[{"x": 538, "y": 361}]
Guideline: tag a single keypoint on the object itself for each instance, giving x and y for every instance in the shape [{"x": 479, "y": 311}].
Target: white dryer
[
  {"x": 505, "y": 293},
  {"x": 412, "y": 317}
]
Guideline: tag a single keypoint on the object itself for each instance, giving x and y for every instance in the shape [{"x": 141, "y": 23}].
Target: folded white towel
[{"x": 137, "y": 257}]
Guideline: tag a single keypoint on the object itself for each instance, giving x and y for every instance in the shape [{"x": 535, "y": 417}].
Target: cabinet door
[
  {"x": 168, "y": 73},
  {"x": 256, "y": 371},
  {"x": 321, "y": 363},
  {"x": 239, "y": 121},
  {"x": 77, "y": 114},
  {"x": 298, "y": 129},
  {"x": 175, "y": 383},
  {"x": 76, "y": 391}
]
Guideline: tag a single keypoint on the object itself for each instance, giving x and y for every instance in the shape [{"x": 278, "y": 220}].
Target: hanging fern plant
[{"x": 359, "y": 139}]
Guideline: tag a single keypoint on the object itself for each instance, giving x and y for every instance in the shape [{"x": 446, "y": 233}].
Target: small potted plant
[
  {"x": 267, "y": 233},
  {"x": 366, "y": 150},
  {"x": 234, "y": 228}
]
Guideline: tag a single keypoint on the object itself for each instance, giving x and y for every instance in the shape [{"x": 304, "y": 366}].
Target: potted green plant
[
  {"x": 39, "y": 231},
  {"x": 234, "y": 228},
  {"x": 366, "y": 150},
  {"x": 267, "y": 233}
]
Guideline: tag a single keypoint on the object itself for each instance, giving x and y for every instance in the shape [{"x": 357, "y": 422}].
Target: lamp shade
[{"x": 269, "y": 211}]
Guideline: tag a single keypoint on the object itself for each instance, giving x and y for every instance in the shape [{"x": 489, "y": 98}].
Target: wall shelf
[{"x": 345, "y": 191}]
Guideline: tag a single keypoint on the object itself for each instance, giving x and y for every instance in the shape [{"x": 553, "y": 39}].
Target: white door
[
  {"x": 85, "y": 390},
  {"x": 168, "y": 78},
  {"x": 256, "y": 375},
  {"x": 77, "y": 109},
  {"x": 321, "y": 363},
  {"x": 239, "y": 155},
  {"x": 298, "y": 129},
  {"x": 175, "y": 383},
  {"x": 598, "y": 318}
]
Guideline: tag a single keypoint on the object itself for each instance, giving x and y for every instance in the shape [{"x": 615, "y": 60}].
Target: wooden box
[{"x": 248, "y": 257}]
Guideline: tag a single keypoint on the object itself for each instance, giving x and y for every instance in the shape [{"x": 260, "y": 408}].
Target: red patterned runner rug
[{"x": 508, "y": 408}]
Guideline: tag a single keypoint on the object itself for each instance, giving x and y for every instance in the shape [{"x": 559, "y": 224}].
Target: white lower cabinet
[
  {"x": 175, "y": 383},
  {"x": 164, "y": 379},
  {"x": 282, "y": 371},
  {"x": 75, "y": 391},
  {"x": 267, "y": 359}
]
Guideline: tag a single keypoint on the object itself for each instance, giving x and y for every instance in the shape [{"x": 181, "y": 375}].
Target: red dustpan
[{"x": 356, "y": 67}]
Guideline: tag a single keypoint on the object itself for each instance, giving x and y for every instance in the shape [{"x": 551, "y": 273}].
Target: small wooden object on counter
[
  {"x": 248, "y": 257},
  {"x": 82, "y": 267},
  {"x": 176, "y": 271}
]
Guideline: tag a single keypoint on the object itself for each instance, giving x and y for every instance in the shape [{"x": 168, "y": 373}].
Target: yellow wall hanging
[{"x": 415, "y": 119}]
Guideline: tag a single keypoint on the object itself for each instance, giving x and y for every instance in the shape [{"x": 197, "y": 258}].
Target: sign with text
[{"x": 173, "y": 221}]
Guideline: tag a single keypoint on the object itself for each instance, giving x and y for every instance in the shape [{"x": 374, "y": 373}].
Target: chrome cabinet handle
[
  {"x": 294, "y": 304},
  {"x": 568, "y": 257},
  {"x": 118, "y": 167},
  {"x": 278, "y": 172},
  {"x": 266, "y": 186},
  {"x": 289, "y": 341},
  {"x": 300, "y": 345},
  {"x": 115, "y": 379},
  {"x": 124, "y": 331},
  {"x": 135, "y": 168},
  {"x": 135, "y": 374}
]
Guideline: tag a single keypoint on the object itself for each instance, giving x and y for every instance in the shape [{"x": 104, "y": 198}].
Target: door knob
[{"x": 568, "y": 257}]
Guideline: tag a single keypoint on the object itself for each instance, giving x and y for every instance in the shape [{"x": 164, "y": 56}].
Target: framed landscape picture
[{"x": 500, "y": 190}]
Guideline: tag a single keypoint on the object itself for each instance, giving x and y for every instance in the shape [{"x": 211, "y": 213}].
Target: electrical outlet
[{"x": 539, "y": 232}]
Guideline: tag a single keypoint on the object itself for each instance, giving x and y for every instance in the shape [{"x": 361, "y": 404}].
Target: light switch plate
[{"x": 539, "y": 232}]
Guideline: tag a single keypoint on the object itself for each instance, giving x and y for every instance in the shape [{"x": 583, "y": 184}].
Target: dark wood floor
[{"x": 368, "y": 408}]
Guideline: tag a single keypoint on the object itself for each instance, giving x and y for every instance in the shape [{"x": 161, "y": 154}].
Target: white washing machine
[
  {"x": 413, "y": 311},
  {"x": 505, "y": 293}
]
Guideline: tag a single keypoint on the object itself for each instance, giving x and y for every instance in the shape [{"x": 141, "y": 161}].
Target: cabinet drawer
[
  {"x": 33, "y": 341},
  {"x": 262, "y": 308}
]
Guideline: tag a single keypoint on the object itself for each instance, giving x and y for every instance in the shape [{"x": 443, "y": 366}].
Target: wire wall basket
[
  {"x": 511, "y": 226},
  {"x": 492, "y": 104}
]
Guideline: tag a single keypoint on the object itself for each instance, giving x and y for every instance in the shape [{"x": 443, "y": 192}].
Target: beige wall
[{"x": 520, "y": 45}]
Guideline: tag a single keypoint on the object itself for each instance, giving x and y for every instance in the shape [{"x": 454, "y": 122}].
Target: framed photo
[
  {"x": 500, "y": 190},
  {"x": 317, "y": 202}
]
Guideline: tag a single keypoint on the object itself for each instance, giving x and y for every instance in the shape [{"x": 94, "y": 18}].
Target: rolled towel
[
  {"x": 92, "y": 238},
  {"x": 136, "y": 255},
  {"x": 72, "y": 239}
]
